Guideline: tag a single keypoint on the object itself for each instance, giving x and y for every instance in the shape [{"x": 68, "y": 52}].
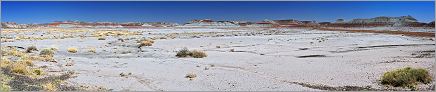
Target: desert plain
[{"x": 237, "y": 59}]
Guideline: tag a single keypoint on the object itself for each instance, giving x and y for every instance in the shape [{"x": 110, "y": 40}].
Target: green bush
[{"x": 406, "y": 77}]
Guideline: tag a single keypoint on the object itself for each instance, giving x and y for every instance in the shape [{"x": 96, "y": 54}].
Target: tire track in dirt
[
  {"x": 307, "y": 85},
  {"x": 147, "y": 82}
]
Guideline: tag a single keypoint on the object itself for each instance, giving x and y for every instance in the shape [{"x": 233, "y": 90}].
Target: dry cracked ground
[{"x": 239, "y": 59}]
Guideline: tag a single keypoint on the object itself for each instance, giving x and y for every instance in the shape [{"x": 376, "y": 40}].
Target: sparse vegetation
[
  {"x": 114, "y": 33},
  {"x": 198, "y": 54},
  {"x": 31, "y": 48},
  {"x": 195, "y": 53},
  {"x": 20, "y": 68},
  {"x": 183, "y": 53},
  {"x": 406, "y": 77},
  {"x": 72, "y": 50},
  {"x": 145, "y": 42},
  {"x": 47, "y": 52}
]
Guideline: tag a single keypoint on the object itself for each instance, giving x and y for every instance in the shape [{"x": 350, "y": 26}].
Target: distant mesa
[
  {"x": 402, "y": 21},
  {"x": 382, "y": 21}
]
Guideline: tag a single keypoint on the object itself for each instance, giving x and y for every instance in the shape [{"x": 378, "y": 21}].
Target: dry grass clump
[
  {"x": 195, "y": 53},
  {"x": 72, "y": 50},
  {"x": 31, "y": 48},
  {"x": 47, "y": 52},
  {"x": 406, "y": 77},
  {"x": 183, "y": 53},
  {"x": 22, "y": 67},
  {"x": 145, "y": 42},
  {"x": 198, "y": 54}
]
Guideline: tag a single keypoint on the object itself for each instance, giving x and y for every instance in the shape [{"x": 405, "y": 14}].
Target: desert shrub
[
  {"x": 406, "y": 77},
  {"x": 47, "y": 52},
  {"x": 145, "y": 39},
  {"x": 183, "y": 53},
  {"x": 72, "y": 50},
  {"x": 31, "y": 48},
  {"x": 195, "y": 53},
  {"x": 198, "y": 54},
  {"x": 145, "y": 42},
  {"x": 19, "y": 68}
]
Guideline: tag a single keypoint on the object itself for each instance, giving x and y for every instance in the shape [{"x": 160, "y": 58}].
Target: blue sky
[{"x": 146, "y": 11}]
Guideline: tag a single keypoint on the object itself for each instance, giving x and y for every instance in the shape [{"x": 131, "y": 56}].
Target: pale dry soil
[{"x": 262, "y": 59}]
